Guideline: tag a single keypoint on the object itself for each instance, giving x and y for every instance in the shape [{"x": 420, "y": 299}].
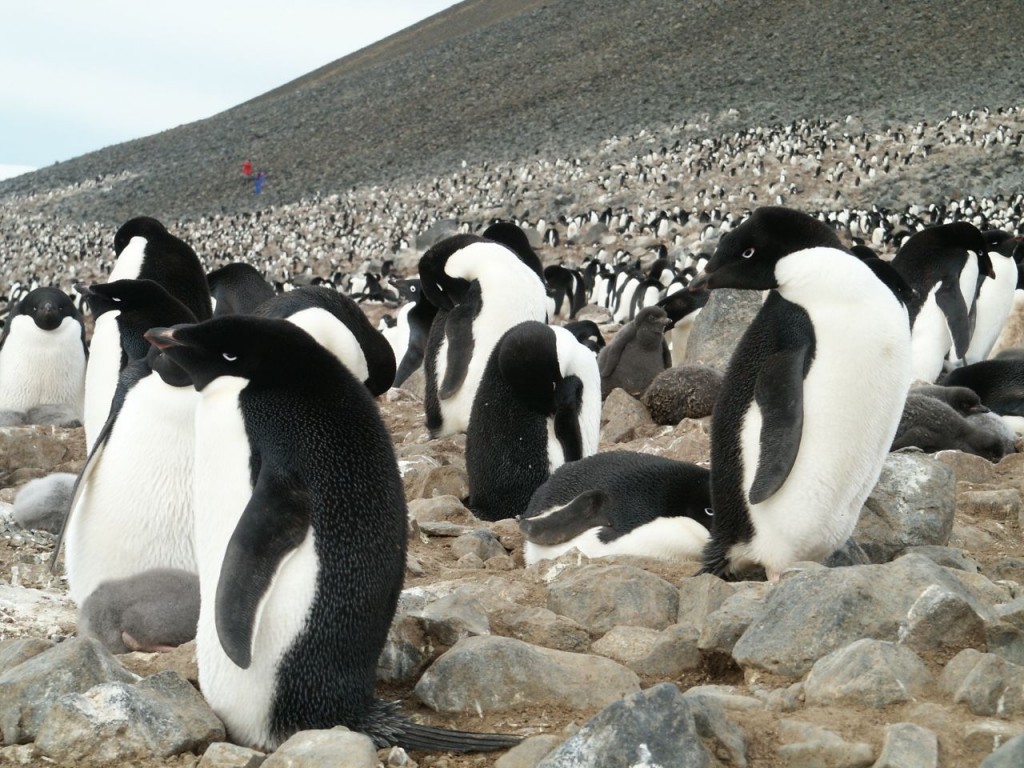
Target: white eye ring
[
  {"x": 748, "y": 253},
  {"x": 229, "y": 357},
  {"x": 708, "y": 511}
]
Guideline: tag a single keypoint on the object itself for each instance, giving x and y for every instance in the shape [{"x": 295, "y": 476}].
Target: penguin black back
[{"x": 238, "y": 289}]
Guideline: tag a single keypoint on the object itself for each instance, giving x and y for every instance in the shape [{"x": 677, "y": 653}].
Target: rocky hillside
[{"x": 502, "y": 80}]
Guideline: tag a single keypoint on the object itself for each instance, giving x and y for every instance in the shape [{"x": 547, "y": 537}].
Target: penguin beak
[
  {"x": 700, "y": 282},
  {"x": 84, "y": 289},
  {"x": 162, "y": 338}
]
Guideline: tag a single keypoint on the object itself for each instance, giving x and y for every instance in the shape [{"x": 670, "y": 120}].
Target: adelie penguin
[
  {"x": 300, "y": 537},
  {"x": 811, "y": 398},
  {"x": 538, "y": 406},
  {"x": 620, "y": 503},
  {"x": 481, "y": 289},
  {"x": 145, "y": 251},
  {"x": 43, "y": 355},
  {"x": 338, "y": 323}
]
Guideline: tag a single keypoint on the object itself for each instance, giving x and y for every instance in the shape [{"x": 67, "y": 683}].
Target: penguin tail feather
[{"x": 428, "y": 738}]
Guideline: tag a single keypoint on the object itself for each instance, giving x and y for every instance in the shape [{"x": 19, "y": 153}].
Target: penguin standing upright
[
  {"x": 995, "y": 298},
  {"x": 337, "y": 322},
  {"x": 811, "y": 398},
  {"x": 481, "y": 289},
  {"x": 43, "y": 354},
  {"x": 944, "y": 265},
  {"x": 682, "y": 308},
  {"x": 300, "y": 537},
  {"x": 132, "y": 507},
  {"x": 636, "y": 354},
  {"x": 540, "y": 388},
  {"x": 409, "y": 338},
  {"x": 145, "y": 251}
]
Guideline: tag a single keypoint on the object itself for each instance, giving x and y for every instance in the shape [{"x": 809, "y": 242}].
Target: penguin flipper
[
  {"x": 779, "y": 393},
  {"x": 458, "y": 329},
  {"x": 584, "y": 512},
  {"x": 951, "y": 302},
  {"x": 273, "y": 524}
]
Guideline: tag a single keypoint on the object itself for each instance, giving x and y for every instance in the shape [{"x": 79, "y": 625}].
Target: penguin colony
[{"x": 772, "y": 450}]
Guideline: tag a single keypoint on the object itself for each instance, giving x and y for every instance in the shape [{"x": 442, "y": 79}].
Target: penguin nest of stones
[{"x": 683, "y": 392}]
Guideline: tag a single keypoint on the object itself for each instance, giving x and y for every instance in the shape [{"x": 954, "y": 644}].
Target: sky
[{"x": 80, "y": 75}]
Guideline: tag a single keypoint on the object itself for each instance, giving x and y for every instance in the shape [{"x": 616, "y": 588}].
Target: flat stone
[
  {"x": 221, "y": 754},
  {"x": 601, "y": 597},
  {"x": 872, "y": 673},
  {"x": 540, "y": 626},
  {"x": 529, "y": 752},
  {"x": 479, "y": 542},
  {"x": 941, "y": 619},
  {"x": 330, "y": 748},
  {"x": 1002, "y": 504},
  {"x": 21, "y": 649}
]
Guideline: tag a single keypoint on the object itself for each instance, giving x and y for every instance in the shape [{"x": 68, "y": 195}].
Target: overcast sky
[{"x": 80, "y": 75}]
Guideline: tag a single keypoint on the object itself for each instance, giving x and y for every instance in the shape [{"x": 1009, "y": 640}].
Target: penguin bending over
[
  {"x": 481, "y": 289},
  {"x": 538, "y": 406},
  {"x": 300, "y": 537},
  {"x": 811, "y": 398},
  {"x": 238, "y": 289},
  {"x": 337, "y": 322},
  {"x": 43, "y": 354},
  {"x": 620, "y": 503}
]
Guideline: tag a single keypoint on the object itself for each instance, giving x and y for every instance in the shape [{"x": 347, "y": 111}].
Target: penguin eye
[
  {"x": 748, "y": 253},
  {"x": 708, "y": 512},
  {"x": 115, "y": 299},
  {"x": 229, "y": 357}
]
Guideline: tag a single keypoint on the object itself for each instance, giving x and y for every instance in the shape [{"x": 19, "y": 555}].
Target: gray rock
[
  {"x": 850, "y": 553},
  {"x": 682, "y": 392},
  {"x": 700, "y": 596},
  {"x": 723, "y": 627},
  {"x": 480, "y": 542},
  {"x": 726, "y": 696},
  {"x": 908, "y": 746},
  {"x": 424, "y": 482},
  {"x": 911, "y": 505},
  {"x": 674, "y": 652},
  {"x": 334, "y": 748},
  {"x": 872, "y": 673},
  {"x": 453, "y": 617},
  {"x": 1012, "y": 613},
  {"x": 118, "y": 722},
  {"x": 1010, "y": 755},
  {"x": 1005, "y": 640},
  {"x": 603, "y": 596},
  {"x": 29, "y": 690},
  {"x": 21, "y": 649},
  {"x": 941, "y": 619},
  {"x": 810, "y": 746},
  {"x": 528, "y": 753},
  {"x": 621, "y": 416},
  {"x": 540, "y": 626},
  {"x": 948, "y": 557},
  {"x": 626, "y": 644},
  {"x": 967, "y": 467},
  {"x": 497, "y": 674},
  {"x": 986, "y": 683},
  {"x": 441, "y": 509},
  {"x": 719, "y": 326},
  {"x": 221, "y": 754},
  {"x": 407, "y": 651},
  {"x": 42, "y": 504},
  {"x": 811, "y": 614},
  {"x": 657, "y": 727},
  {"x": 1002, "y": 504}
]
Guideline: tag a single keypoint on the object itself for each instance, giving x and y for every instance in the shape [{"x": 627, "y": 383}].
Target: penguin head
[
  {"x": 747, "y": 255},
  {"x": 681, "y": 304},
  {"x": 651, "y": 322},
  {"x": 47, "y": 307},
  {"x": 146, "y": 299},
  {"x": 512, "y": 236},
  {"x": 141, "y": 226},
  {"x": 264, "y": 351}
]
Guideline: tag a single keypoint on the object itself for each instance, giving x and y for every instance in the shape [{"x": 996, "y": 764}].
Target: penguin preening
[
  {"x": 541, "y": 392},
  {"x": 812, "y": 395},
  {"x": 238, "y": 289},
  {"x": 300, "y": 537}
]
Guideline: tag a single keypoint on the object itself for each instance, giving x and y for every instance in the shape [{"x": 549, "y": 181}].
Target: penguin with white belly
[
  {"x": 538, "y": 406},
  {"x": 995, "y": 298},
  {"x": 43, "y": 354},
  {"x": 300, "y": 537},
  {"x": 337, "y": 322},
  {"x": 132, "y": 507},
  {"x": 481, "y": 289},
  {"x": 811, "y": 398},
  {"x": 145, "y": 251}
]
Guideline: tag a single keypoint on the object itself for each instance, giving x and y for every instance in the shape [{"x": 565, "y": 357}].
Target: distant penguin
[
  {"x": 939, "y": 263},
  {"x": 337, "y": 322},
  {"x": 620, "y": 503},
  {"x": 636, "y": 354},
  {"x": 828, "y": 354},
  {"x": 300, "y": 537},
  {"x": 481, "y": 289},
  {"x": 238, "y": 289},
  {"x": 153, "y": 611},
  {"x": 995, "y": 298},
  {"x": 542, "y": 390},
  {"x": 43, "y": 354},
  {"x": 587, "y": 333},
  {"x": 566, "y": 290},
  {"x": 145, "y": 251},
  {"x": 682, "y": 308},
  {"x": 132, "y": 509},
  {"x": 932, "y": 425}
]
